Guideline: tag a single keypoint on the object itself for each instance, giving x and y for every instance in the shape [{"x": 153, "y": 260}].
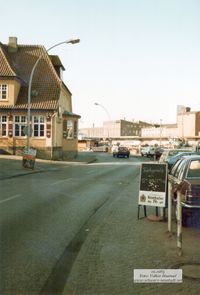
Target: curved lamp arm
[{"x": 70, "y": 41}]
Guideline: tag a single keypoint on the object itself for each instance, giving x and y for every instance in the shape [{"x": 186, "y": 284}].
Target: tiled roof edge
[{"x": 6, "y": 59}]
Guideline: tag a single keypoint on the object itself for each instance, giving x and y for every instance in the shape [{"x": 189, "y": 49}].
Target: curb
[{"x": 40, "y": 170}]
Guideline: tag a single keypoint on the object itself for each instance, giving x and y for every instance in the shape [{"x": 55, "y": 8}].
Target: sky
[{"x": 138, "y": 59}]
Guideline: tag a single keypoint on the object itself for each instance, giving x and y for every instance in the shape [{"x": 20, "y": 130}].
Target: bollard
[
  {"x": 169, "y": 207},
  {"x": 179, "y": 223}
]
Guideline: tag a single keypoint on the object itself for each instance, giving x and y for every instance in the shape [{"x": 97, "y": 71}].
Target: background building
[
  {"x": 115, "y": 130},
  {"x": 186, "y": 129}
]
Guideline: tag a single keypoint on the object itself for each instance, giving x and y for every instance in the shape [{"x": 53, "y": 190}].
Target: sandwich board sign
[{"x": 153, "y": 185}]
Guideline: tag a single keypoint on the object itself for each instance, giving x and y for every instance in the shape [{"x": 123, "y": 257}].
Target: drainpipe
[{"x": 53, "y": 134}]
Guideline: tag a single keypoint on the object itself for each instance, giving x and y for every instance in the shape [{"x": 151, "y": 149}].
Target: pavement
[{"x": 11, "y": 165}]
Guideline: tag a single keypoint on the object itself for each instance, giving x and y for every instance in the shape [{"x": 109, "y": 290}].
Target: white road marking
[
  {"x": 116, "y": 163},
  {"x": 63, "y": 180},
  {"x": 10, "y": 198},
  {"x": 90, "y": 171}
]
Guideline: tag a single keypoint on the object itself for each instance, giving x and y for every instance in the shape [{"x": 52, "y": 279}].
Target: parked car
[
  {"x": 185, "y": 178},
  {"x": 147, "y": 151},
  {"x": 168, "y": 153},
  {"x": 151, "y": 152},
  {"x": 158, "y": 152},
  {"x": 172, "y": 160},
  {"x": 122, "y": 151},
  {"x": 100, "y": 148},
  {"x": 144, "y": 150}
]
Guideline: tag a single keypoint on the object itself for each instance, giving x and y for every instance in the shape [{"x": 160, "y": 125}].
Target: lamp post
[
  {"x": 70, "y": 41},
  {"x": 160, "y": 131},
  {"x": 98, "y": 104},
  {"x": 107, "y": 113}
]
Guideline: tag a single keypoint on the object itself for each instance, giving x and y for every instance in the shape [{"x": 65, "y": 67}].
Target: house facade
[{"x": 53, "y": 124}]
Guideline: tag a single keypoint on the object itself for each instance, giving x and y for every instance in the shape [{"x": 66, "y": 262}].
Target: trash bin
[{"x": 29, "y": 156}]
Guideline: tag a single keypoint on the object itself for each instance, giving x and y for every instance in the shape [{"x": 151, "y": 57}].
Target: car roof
[
  {"x": 183, "y": 154},
  {"x": 192, "y": 157}
]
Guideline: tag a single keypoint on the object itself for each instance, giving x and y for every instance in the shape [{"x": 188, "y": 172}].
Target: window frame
[
  {"x": 2, "y": 92},
  {"x": 3, "y": 123},
  {"x": 70, "y": 129},
  {"x": 39, "y": 123},
  {"x": 21, "y": 125}
]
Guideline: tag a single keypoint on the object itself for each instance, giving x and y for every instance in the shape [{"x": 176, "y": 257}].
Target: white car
[{"x": 147, "y": 151}]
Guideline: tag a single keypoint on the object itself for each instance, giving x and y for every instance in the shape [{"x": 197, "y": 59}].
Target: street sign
[
  {"x": 28, "y": 160},
  {"x": 153, "y": 185}
]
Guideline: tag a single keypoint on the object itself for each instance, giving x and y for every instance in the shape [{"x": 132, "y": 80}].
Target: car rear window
[{"x": 194, "y": 169}]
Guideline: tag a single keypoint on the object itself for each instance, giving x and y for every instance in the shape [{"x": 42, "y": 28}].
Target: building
[
  {"x": 188, "y": 123},
  {"x": 116, "y": 129},
  {"x": 159, "y": 134},
  {"x": 54, "y": 126},
  {"x": 186, "y": 129}
]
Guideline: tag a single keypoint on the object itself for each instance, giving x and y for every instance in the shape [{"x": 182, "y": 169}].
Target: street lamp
[
  {"x": 98, "y": 104},
  {"x": 160, "y": 131},
  {"x": 70, "y": 41}
]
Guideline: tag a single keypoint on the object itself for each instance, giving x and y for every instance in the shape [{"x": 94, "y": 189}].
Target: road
[{"x": 73, "y": 229}]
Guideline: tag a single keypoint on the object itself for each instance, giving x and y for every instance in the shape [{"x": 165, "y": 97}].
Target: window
[
  {"x": 19, "y": 125},
  {"x": 194, "y": 169},
  {"x": 38, "y": 126},
  {"x": 180, "y": 169},
  {"x": 69, "y": 129},
  {"x": 3, "y": 126},
  {"x": 75, "y": 129},
  {"x": 3, "y": 92}
]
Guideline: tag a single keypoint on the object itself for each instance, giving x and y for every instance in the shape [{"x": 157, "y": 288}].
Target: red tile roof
[{"x": 46, "y": 84}]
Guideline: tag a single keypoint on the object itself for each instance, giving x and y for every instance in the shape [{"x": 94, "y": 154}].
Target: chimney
[{"x": 12, "y": 44}]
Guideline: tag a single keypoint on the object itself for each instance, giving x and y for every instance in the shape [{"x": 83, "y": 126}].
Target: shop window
[{"x": 70, "y": 129}]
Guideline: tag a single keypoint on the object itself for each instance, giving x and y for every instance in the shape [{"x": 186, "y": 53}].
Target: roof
[
  {"x": 46, "y": 84},
  {"x": 56, "y": 61},
  {"x": 70, "y": 114}
]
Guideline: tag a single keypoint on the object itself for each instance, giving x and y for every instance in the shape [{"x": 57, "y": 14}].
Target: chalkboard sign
[{"x": 153, "y": 184}]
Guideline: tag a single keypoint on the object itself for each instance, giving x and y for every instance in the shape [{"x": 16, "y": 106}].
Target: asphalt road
[
  {"x": 40, "y": 214},
  {"x": 73, "y": 229}
]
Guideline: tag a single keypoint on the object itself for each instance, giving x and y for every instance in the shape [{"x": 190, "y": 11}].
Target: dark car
[
  {"x": 185, "y": 178},
  {"x": 121, "y": 151},
  {"x": 172, "y": 160},
  {"x": 158, "y": 152}
]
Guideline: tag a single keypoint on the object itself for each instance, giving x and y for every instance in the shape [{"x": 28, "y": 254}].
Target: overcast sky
[{"x": 139, "y": 59}]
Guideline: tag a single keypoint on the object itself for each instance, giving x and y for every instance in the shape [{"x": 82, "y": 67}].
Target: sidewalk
[{"x": 11, "y": 165}]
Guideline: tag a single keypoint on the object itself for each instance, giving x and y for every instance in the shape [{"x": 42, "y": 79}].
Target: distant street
[{"x": 73, "y": 229}]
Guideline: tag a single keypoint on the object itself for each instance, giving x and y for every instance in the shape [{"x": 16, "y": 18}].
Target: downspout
[{"x": 53, "y": 134}]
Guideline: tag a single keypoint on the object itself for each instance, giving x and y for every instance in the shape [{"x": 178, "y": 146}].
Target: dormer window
[{"x": 3, "y": 91}]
